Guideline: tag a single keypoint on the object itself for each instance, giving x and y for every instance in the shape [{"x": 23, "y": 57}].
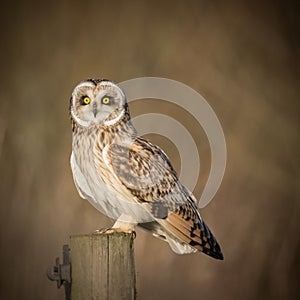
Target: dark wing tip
[
  {"x": 207, "y": 243},
  {"x": 215, "y": 253},
  {"x": 214, "y": 248}
]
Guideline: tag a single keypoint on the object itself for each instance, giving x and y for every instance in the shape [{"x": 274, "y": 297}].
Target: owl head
[{"x": 97, "y": 101}]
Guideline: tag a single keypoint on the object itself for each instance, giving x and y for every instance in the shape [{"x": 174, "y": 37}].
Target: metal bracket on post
[{"x": 61, "y": 273}]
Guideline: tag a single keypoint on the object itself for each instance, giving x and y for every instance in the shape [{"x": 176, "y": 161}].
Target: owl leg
[{"x": 124, "y": 223}]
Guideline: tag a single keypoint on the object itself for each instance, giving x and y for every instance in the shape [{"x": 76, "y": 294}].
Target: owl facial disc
[{"x": 99, "y": 102}]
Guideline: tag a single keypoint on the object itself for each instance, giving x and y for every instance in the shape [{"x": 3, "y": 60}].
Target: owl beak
[{"x": 95, "y": 109}]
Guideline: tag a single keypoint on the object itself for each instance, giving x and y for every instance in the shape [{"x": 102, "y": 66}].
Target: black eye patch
[{"x": 85, "y": 100}]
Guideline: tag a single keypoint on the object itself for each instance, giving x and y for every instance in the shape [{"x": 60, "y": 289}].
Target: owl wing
[
  {"x": 146, "y": 172},
  {"x": 144, "y": 169}
]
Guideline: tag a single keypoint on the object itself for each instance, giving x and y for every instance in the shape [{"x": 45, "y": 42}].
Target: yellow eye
[
  {"x": 86, "y": 100},
  {"x": 105, "y": 100}
]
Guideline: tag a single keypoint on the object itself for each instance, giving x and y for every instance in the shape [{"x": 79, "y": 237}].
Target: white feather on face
[{"x": 100, "y": 103}]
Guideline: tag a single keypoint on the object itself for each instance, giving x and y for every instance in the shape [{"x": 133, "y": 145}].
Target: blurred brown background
[{"x": 243, "y": 58}]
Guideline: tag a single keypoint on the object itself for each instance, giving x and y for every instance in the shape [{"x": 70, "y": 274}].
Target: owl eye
[
  {"x": 85, "y": 100},
  {"x": 106, "y": 100}
]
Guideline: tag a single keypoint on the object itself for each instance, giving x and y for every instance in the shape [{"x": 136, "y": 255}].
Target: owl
[{"x": 128, "y": 178}]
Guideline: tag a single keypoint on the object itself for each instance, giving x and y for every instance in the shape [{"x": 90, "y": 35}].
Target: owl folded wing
[
  {"x": 147, "y": 173},
  {"x": 145, "y": 170}
]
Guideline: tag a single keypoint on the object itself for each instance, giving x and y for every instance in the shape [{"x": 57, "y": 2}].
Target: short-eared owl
[{"x": 128, "y": 178}]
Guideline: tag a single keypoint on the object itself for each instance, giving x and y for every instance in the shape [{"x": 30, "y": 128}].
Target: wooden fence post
[{"x": 102, "y": 266}]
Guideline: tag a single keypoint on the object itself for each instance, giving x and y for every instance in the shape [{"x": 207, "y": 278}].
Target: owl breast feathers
[{"x": 128, "y": 178}]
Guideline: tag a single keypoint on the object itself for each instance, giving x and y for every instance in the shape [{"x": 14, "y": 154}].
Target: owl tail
[{"x": 188, "y": 235}]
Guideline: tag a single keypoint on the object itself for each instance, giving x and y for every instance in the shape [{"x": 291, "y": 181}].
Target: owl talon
[
  {"x": 133, "y": 234},
  {"x": 103, "y": 230},
  {"x": 110, "y": 230}
]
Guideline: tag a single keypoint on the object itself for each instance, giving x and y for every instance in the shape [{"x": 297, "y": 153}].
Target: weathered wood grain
[{"x": 102, "y": 266}]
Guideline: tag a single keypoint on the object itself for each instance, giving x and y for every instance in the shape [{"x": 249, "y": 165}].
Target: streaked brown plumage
[{"x": 128, "y": 178}]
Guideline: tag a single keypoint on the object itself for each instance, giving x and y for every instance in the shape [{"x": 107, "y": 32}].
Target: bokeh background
[{"x": 243, "y": 58}]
